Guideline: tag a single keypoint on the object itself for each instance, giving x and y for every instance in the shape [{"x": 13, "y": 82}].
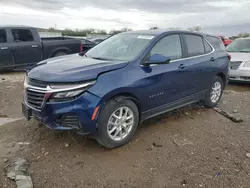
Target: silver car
[{"x": 239, "y": 50}]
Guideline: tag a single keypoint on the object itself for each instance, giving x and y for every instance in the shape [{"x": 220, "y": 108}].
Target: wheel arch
[
  {"x": 223, "y": 77},
  {"x": 67, "y": 50},
  {"x": 123, "y": 95}
]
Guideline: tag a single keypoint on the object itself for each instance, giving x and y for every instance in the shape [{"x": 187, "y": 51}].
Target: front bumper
[
  {"x": 239, "y": 75},
  {"x": 81, "y": 109}
]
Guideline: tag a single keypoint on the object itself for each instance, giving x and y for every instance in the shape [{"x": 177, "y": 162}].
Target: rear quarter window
[
  {"x": 208, "y": 48},
  {"x": 216, "y": 43}
]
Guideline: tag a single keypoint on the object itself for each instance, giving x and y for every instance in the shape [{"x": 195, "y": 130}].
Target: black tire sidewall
[
  {"x": 109, "y": 108},
  {"x": 58, "y": 54},
  {"x": 207, "y": 102}
]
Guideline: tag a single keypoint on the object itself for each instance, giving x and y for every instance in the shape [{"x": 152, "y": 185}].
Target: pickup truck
[{"x": 23, "y": 47}]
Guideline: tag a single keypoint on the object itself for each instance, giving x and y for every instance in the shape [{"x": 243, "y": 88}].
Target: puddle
[{"x": 238, "y": 87}]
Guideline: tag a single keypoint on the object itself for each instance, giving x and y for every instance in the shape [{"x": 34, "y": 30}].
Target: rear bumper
[
  {"x": 70, "y": 115},
  {"x": 239, "y": 75}
]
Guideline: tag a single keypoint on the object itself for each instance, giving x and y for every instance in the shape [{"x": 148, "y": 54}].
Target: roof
[{"x": 162, "y": 31}]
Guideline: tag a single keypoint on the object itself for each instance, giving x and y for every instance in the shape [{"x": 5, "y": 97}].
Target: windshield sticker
[{"x": 148, "y": 37}]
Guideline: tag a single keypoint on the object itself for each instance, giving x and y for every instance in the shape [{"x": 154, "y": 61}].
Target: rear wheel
[
  {"x": 214, "y": 93},
  {"x": 57, "y": 54},
  {"x": 117, "y": 123}
]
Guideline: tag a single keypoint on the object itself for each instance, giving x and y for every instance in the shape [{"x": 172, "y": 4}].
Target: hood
[
  {"x": 72, "y": 68},
  {"x": 236, "y": 56}
]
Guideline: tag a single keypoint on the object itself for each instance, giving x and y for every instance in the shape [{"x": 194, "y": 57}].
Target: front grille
[
  {"x": 34, "y": 99},
  {"x": 234, "y": 65},
  {"x": 36, "y": 83},
  {"x": 68, "y": 120},
  {"x": 245, "y": 77}
]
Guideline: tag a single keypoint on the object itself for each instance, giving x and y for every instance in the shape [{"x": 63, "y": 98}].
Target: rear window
[
  {"x": 195, "y": 45},
  {"x": 3, "y": 37},
  {"x": 22, "y": 35},
  {"x": 216, "y": 43}
]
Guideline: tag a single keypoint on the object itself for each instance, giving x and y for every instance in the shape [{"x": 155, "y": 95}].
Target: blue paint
[{"x": 151, "y": 86}]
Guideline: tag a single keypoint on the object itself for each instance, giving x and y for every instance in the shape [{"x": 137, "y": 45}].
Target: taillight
[
  {"x": 81, "y": 47},
  {"x": 229, "y": 56}
]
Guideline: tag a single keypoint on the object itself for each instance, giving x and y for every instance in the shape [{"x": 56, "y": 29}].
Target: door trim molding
[{"x": 173, "y": 105}]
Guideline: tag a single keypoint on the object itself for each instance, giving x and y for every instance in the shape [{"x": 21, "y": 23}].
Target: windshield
[
  {"x": 124, "y": 47},
  {"x": 239, "y": 45}
]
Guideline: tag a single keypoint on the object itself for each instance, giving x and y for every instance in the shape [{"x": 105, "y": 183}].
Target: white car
[{"x": 239, "y": 50}]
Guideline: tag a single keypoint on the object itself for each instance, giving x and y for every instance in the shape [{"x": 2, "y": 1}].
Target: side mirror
[{"x": 157, "y": 59}]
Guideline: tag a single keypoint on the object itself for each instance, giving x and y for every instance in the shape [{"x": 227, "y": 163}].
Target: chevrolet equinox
[{"x": 128, "y": 78}]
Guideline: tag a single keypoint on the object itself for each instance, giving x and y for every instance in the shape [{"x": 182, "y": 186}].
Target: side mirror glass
[{"x": 157, "y": 59}]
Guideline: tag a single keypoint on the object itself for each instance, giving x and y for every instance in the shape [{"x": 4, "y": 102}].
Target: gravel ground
[{"x": 191, "y": 147}]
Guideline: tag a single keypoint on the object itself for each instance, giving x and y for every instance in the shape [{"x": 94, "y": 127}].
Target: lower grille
[
  {"x": 234, "y": 65},
  {"x": 34, "y": 99},
  {"x": 68, "y": 120},
  {"x": 245, "y": 77}
]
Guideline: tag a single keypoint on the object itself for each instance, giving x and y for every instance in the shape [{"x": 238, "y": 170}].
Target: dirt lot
[{"x": 191, "y": 147}]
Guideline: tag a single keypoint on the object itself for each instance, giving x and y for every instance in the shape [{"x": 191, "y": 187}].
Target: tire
[
  {"x": 57, "y": 54},
  {"x": 210, "y": 102},
  {"x": 105, "y": 136}
]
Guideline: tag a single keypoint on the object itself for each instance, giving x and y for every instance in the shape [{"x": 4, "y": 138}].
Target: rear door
[
  {"x": 6, "y": 58},
  {"x": 26, "y": 46},
  {"x": 197, "y": 65}
]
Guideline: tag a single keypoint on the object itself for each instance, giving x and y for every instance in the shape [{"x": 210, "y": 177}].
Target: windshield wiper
[{"x": 101, "y": 58}]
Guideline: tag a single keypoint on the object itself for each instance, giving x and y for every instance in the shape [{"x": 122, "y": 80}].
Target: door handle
[
  {"x": 4, "y": 48},
  {"x": 212, "y": 59},
  {"x": 182, "y": 66},
  {"x": 34, "y": 46}
]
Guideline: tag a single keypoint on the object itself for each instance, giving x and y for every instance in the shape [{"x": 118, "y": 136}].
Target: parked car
[
  {"x": 239, "y": 50},
  {"x": 125, "y": 80},
  {"x": 23, "y": 47},
  {"x": 97, "y": 41},
  {"x": 226, "y": 41},
  {"x": 87, "y": 44}
]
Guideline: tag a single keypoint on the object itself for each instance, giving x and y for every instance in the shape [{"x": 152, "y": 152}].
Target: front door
[
  {"x": 26, "y": 49},
  {"x": 166, "y": 82},
  {"x": 6, "y": 58}
]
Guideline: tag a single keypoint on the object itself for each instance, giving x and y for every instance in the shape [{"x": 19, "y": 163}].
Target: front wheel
[
  {"x": 214, "y": 93},
  {"x": 117, "y": 123}
]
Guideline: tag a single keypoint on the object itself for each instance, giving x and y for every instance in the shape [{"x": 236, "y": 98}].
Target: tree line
[{"x": 85, "y": 32}]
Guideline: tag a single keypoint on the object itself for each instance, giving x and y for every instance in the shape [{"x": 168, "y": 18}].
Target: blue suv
[{"x": 125, "y": 80}]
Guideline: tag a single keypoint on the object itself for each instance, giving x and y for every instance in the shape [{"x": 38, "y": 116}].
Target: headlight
[
  {"x": 61, "y": 92},
  {"x": 246, "y": 64},
  {"x": 67, "y": 94}
]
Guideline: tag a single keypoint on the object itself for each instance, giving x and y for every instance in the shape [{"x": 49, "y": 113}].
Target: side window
[
  {"x": 208, "y": 48},
  {"x": 194, "y": 45},
  {"x": 169, "y": 46},
  {"x": 22, "y": 35},
  {"x": 3, "y": 37}
]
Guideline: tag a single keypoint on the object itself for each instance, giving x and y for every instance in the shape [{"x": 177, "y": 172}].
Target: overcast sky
[{"x": 216, "y": 16}]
